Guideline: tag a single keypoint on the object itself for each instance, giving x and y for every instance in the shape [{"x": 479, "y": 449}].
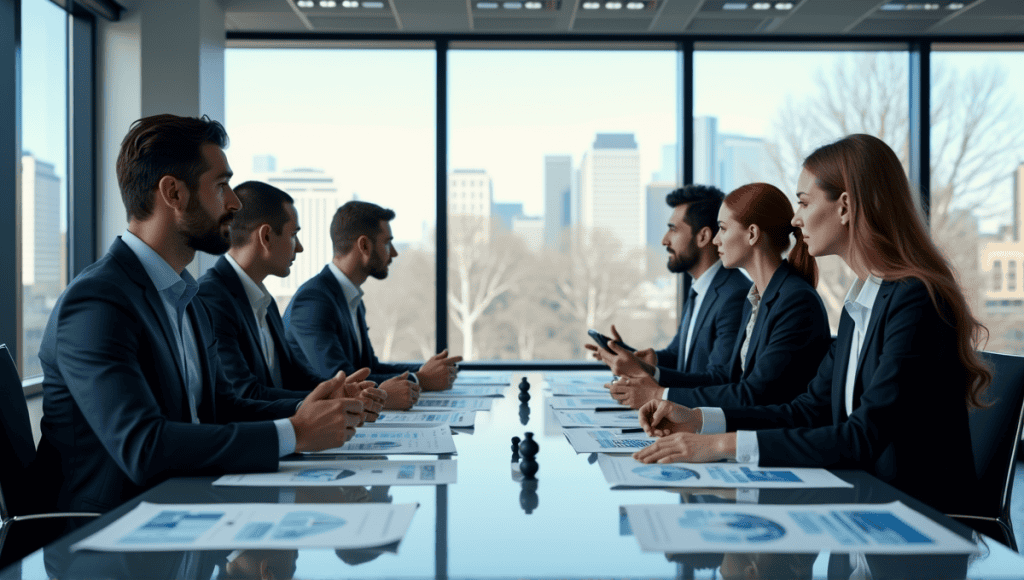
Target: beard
[
  {"x": 205, "y": 233},
  {"x": 679, "y": 263},
  {"x": 378, "y": 267}
]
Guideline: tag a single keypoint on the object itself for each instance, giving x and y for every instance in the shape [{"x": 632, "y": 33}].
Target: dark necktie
[
  {"x": 684, "y": 330},
  {"x": 364, "y": 338}
]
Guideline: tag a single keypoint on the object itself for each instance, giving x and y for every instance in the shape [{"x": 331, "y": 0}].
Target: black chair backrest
[
  {"x": 995, "y": 432},
  {"x": 17, "y": 448}
]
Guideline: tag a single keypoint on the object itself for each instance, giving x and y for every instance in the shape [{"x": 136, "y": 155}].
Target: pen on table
[
  {"x": 632, "y": 430},
  {"x": 610, "y": 409}
]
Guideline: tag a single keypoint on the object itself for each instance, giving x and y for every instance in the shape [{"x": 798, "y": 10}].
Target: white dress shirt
[
  {"x": 175, "y": 298},
  {"x": 860, "y": 299},
  {"x": 353, "y": 297},
  {"x": 259, "y": 301}
]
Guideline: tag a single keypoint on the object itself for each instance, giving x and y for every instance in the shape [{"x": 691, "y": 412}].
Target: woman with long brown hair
[
  {"x": 893, "y": 393},
  {"x": 784, "y": 329}
]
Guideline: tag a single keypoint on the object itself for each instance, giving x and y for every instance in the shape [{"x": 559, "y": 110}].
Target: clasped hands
[
  {"x": 329, "y": 415},
  {"x": 676, "y": 428}
]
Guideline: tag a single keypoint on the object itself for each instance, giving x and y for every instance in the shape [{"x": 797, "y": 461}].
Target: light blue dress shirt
[{"x": 176, "y": 291}]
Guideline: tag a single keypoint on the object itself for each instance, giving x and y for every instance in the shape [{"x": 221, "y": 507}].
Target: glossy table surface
[{"x": 489, "y": 525}]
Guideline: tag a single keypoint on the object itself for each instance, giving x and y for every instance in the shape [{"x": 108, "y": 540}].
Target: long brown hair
[
  {"x": 889, "y": 234},
  {"x": 765, "y": 205}
]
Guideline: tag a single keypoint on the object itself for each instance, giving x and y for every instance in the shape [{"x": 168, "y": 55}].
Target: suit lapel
[
  {"x": 339, "y": 302},
  {"x": 771, "y": 294},
  {"x": 881, "y": 302},
  {"x": 133, "y": 267},
  {"x": 205, "y": 409},
  {"x": 705, "y": 307},
  {"x": 233, "y": 283},
  {"x": 276, "y": 325},
  {"x": 840, "y": 365}
]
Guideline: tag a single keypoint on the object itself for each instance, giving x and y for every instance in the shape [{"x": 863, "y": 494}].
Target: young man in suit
[
  {"x": 326, "y": 319},
  {"x": 133, "y": 390},
  {"x": 712, "y": 311},
  {"x": 253, "y": 351}
]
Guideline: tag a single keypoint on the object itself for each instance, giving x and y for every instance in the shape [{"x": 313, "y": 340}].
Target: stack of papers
[
  {"x": 590, "y": 390},
  {"x": 239, "y": 526},
  {"x": 397, "y": 441},
  {"x": 465, "y": 391},
  {"x": 584, "y": 402},
  {"x": 451, "y": 418},
  {"x": 606, "y": 440},
  {"x": 890, "y": 528},
  {"x": 626, "y": 471},
  {"x": 477, "y": 404},
  {"x": 348, "y": 472}
]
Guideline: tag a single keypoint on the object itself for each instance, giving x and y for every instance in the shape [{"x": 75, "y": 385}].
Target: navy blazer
[
  {"x": 319, "y": 327},
  {"x": 116, "y": 419},
  {"x": 909, "y": 423},
  {"x": 790, "y": 337},
  {"x": 238, "y": 340},
  {"x": 714, "y": 332}
]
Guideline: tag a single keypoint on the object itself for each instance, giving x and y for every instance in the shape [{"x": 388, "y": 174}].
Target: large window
[
  {"x": 558, "y": 168},
  {"x": 329, "y": 126},
  {"x": 757, "y": 115},
  {"x": 44, "y": 174},
  {"x": 977, "y": 181}
]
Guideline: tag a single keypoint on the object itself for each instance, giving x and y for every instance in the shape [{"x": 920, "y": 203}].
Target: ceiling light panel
[{"x": 517, "y": 5}]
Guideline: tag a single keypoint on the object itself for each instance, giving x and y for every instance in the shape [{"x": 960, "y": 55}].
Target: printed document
[
  {"x": 348, "y": 472},
  {"x": 396, "y": 441},
  {"x": 890, "y": 528},
  {"x": 596, "y": 418},
  {"x": 452, "y": 418},
  {"x": 465, "y": 391},
  {"x": 589, "y": 390},
  {"x": 154, "y": 527},
  {"x": 606, "y": 440},
  {"x": 477, "y": 404},
  {"x": 584, "y": 402},
  {"x": 626, "y": 471}
]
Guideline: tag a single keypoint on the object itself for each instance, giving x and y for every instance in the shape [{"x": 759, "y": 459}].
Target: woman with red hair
[
  {"x": 784, "y": 332},
  {"x": 892, "y": 395}
]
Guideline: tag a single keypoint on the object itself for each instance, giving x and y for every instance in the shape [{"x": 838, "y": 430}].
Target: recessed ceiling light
[
  {"x": 915, "y": 6},
  {"x": 955, "y": 5},
  {"x": 635, "y": 5},
  {"x": 783, "y": 5},
  {"x": 591, "y": 5},
  {"x": 373, "y": 4},
  {"x": 734, "y": 6},
  {"x": 305, "y": 3},
  {"x": 533, "y": 5},
  {"x": 486, "y": 5},
  {"x": 931, "y": 6},
  {"x": 761, "y": 5},
  {"x": 890, "y": 7},
  {"x": 613, "y": 5},
  {"x": 350, "y": 3},
  {"x": 328, "y": 3}
]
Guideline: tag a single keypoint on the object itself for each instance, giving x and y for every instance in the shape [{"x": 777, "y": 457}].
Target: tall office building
[
  {"x": 531, "y": 229},
  {"x": 40, "y": 223},
  {"x": 658, "y": 213},
  {"x": 743, "y": 160},
  {"x": 264, "y": 164},
  {"x": 470, "y": 193},
  {"x": 669, "y": 172},
  {"x": 1002, "y": 258},
  {"x": 557, "y": 198},
  {"x": 705, "y": 150},
  {"x": 610, "y": 189},
  {"x": 316, "y": 199}
]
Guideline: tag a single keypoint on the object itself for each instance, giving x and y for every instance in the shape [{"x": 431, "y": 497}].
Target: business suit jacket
[
  {"x": 319, "y": 326},
  {"x": 238, "y": 340},
  {"x": 909, "y": 423},
  {"x": 790, "y": 337},
  {"x": 116, "y": 419},
  {"x": 714, "y": 332}
]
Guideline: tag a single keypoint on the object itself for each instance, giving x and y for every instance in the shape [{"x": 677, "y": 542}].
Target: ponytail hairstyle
[
  {"x": 766, "y": 206},
  {"x": 889, "y": 235}
]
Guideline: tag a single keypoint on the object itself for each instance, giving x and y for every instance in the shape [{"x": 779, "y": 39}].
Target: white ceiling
[{"x": 841, "y": 18}]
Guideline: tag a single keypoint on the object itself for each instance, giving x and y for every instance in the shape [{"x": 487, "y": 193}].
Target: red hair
[
  {"x": 889, "y": 235},
  {"x": 766, "y": 206}
]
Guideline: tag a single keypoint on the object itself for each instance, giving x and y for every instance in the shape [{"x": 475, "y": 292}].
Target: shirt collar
[
  {"x": 753, "y": 296},
  {"x": 353, "y": 294},
  {"x": 259, "y": 297},
  {"x": 182, "y": 287},
  {"x": 861, "y": 298},
  {"x": 701, "y": 285}
]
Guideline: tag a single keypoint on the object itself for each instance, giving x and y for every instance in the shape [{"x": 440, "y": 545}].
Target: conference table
[{"x": 566, "y": 524}]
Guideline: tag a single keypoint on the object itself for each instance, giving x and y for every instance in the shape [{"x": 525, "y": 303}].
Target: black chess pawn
[
  {"x": 528, "y": 499},
  {"x": 524, "y": 390},
  {"x": 515, "y": 448},
  {"x": 524, "y": 413}
]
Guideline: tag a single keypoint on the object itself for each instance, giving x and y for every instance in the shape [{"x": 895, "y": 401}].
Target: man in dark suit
[
  {"x": 326, "y": 319},
  {"x": 711, "y": 313},
  {"x": 254, "y": 354},
  {"x": 133, "y": 390}
]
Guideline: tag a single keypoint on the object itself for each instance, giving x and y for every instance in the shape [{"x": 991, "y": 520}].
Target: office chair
[
  {"x": 995, "y": 438},
  {"x": 17, "y": 451}
]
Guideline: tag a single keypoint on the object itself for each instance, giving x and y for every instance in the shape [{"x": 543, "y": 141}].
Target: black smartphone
[{"x": 604, "y": 340}]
